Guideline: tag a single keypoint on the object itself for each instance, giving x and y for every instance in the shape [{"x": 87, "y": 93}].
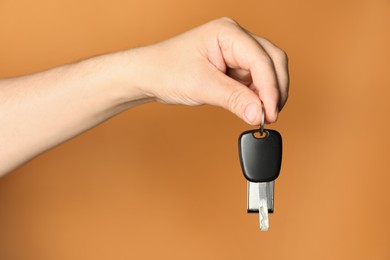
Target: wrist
[
  {"x": 123, "y": 82},
  {"x": 131, "y": 72}
]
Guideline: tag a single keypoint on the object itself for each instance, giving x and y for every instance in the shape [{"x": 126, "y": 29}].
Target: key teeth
[
  {"x": 260, "y": 200},
  {"x": 264, "y": 223}
]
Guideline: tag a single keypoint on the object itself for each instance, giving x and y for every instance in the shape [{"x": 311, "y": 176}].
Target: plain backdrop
[{"x": 165, "y": 182}]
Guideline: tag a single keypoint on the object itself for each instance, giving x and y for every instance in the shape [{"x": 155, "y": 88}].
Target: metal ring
[{"x": 261, "y": 129}]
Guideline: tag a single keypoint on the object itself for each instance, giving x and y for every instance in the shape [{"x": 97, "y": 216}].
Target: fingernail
[{"x": 251, "y": 112}]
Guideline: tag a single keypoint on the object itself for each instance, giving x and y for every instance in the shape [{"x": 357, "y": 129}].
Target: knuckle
[
  {"x": 224, "y": 22},
  {"x": 226, "y": 19},
  {"x": 282, "y": 56},
  {"x": 232, "y": 100}
]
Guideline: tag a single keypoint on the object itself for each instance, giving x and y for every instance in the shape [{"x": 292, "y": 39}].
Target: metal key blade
[
  {"x": 263, "y": 207},
  {"x": 261, "y": 200},
  {"x": 254, "y": 196}
]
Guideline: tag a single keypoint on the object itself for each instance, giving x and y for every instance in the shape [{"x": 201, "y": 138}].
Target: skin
[{"x": 218, "y": 63}]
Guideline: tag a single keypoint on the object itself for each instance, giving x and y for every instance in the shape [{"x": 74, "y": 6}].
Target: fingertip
[
  {"x": 252, "y": 113},
  {"x": 271, "y": 116}
]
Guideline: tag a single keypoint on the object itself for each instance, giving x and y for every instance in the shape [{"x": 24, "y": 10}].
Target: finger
[
  {"x": 280, "y": 60},
  {"x": 241, "y": 51},
  {"x": 233, "y": 96},
  {"x": 242, "y": 76}
]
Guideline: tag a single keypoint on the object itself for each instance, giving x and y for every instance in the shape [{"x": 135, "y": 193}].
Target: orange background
[{"x": 165, "y": 182}]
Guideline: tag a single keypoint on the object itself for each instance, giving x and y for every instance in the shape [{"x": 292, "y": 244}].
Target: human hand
[{"x": 218, "y": 63}]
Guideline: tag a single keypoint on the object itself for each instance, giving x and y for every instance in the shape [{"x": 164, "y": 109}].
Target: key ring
[{"x": 261, "y": 129}]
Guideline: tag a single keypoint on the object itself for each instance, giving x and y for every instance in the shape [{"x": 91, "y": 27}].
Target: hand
[{"x": 220, "y": 64}]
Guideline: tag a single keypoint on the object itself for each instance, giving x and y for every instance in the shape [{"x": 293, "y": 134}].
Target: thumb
[{"x": 237, "y": 98}]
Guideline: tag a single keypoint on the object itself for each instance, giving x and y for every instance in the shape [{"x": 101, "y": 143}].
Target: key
[
  {"x": 260, "y": 200},
  {"x": 261, "y": 159}
]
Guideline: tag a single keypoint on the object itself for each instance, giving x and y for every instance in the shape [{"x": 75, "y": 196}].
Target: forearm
[{"x": 42, "y": 110}]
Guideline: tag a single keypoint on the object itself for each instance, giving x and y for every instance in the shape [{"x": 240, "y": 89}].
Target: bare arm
[
  {"x": 42, "y": 110},
  {"x": 218, "y": 63}
]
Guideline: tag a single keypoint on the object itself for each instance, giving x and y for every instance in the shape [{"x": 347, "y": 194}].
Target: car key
[{"x": 261, "y": 159}]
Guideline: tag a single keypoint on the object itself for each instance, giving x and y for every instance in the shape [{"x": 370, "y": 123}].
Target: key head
[{"x": 260, "y": 157}]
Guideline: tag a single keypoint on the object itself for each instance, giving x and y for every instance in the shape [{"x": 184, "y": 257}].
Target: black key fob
[{"x": 260, "y": 157}]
